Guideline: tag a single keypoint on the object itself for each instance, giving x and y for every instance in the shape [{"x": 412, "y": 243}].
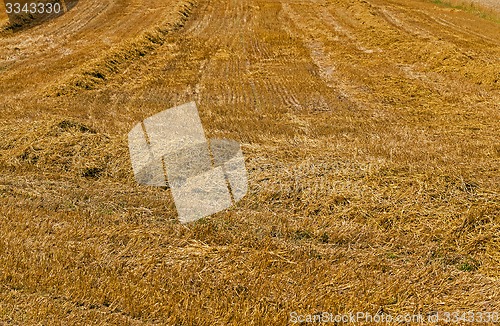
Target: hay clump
[{"x": 65, "y": 147}]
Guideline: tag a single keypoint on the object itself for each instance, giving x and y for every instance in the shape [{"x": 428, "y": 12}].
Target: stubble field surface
[{"x": 370, "y": 130}]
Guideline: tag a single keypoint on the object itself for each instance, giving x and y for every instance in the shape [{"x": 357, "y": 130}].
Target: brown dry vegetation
[{"x": 371, "y": 135}]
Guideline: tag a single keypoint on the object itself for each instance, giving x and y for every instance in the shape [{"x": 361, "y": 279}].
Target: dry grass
[
  {"x": 370, "y": 131},
  {"x": 488, "y": 9}
]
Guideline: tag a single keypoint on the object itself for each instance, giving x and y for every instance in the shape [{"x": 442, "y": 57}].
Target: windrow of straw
[{"x": 113, "y": 61}]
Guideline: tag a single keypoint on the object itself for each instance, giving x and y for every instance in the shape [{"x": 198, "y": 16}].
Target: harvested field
[{"x": 370, "y": 130}]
